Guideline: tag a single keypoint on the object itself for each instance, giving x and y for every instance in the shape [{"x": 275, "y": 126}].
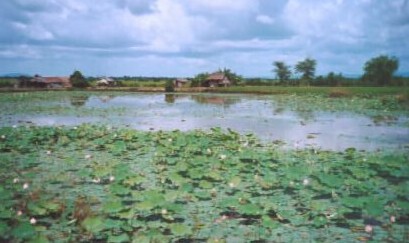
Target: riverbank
[{"x": 330, "y": 91}]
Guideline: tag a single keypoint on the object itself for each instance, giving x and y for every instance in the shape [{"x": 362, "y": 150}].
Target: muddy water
[{"x": 259, "y": 115}]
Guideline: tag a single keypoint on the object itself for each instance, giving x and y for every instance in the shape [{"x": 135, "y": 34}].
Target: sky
[{"x": 181, "y": 38}]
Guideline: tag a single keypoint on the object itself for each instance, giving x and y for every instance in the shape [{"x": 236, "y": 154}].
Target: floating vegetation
[{"x": 93, "y": 183}]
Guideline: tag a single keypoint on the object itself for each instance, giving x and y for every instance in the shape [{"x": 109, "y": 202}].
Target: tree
[
  {"x": 199, "y": 80},
  {"x": 379, "y": 70},
  {"x": 233, "y": 77},
  {"x": 307, "y": 69},
  {"x": 77, "y": 80},
  {"x": 169, "y": 86},
  {"x": 282, "y": 71}
]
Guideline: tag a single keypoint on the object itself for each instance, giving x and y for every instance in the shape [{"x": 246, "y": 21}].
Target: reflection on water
[
  {"x": 78, "y": 101},
  {"x": 215, "y": 100},
  {"x": 264, "y": 116},
  {"x": 170, "y": 98}
]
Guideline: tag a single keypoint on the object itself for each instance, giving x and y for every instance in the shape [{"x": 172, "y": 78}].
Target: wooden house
[
  {"x": 47, "y": 82},
  {"x": 107, "y": 82},
  {"x": 180, "y": 82},
  {"x": 217, "y": 79}
]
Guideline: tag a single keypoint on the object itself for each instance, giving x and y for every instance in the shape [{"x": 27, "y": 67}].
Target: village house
[
  {"x": 106, "y": 81},
  {"x": 180, "y": 82},
  {"x": 217, "y": 79},
  {"x": 45, "y": 82}
]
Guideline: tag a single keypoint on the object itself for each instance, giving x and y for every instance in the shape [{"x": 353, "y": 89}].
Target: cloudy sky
[{"x": 184, "y": 37}]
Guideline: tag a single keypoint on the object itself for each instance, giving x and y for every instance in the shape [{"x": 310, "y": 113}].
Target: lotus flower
[{"x": 33, "y": 221}]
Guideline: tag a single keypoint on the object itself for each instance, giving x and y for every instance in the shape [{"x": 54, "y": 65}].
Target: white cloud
[
  {"x": 264, "y": 19},
  {"x": 212, "y": 33}
]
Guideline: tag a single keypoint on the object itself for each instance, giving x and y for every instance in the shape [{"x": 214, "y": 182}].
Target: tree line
[{"x": 378, "y": 71}]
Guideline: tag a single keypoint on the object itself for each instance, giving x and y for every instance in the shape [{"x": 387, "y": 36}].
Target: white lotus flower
[
  {"x": 111, "y": 178},
  {"x": 170, "y": 140},
  {"x": 19, "y": 213},
  {"x": 15, "y": 180},
  {"x": 164, "y": 211},
  {"x": 231, "y": 184},
  {"x": 209, "y": 151},
  {"x": 96, "y": 180},
  {"x": 25, "y": 186},
  {"x": 3, "y": 136},
  {"x": 33, "y": 221},
  {"x": 368, "y": 228},
  {"x": 48, "y": 152},
  {"x": 392, "y": 219},
  {"x": 14, "y": 126},
  {"x": 88, "y": 156},
  {"x": 305, "y": 182},
  {"x": 223, "y": 156}
]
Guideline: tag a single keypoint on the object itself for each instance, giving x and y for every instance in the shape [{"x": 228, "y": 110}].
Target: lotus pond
[{"x": 65, "y": 181}]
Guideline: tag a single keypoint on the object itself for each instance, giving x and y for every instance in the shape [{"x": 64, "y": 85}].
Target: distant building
[
  {"x": 180, "y": 82},
  {"x": 107, "y": 82},
  {"x": 45, "y": 82},
  {"x": 217, "y": 79}
]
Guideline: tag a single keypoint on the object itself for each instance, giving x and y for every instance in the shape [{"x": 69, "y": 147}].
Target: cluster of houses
[
  {"x": 217, "y": 79},
  {"x": 57, "y": 82},
  {"x": 44, "y": 82}
]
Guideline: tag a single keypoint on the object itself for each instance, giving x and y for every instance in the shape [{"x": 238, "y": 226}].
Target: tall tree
[
  {"x": 78, "y": 80},
  {"x": 282, "y": 71},
  {"x": 199, "y": 80},
  {"x": 307, "y": 69},
  {"x": 379, "y": 70},
  {"x": 232, "y": 76}
]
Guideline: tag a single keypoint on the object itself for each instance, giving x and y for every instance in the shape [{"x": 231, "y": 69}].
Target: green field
[{"x": 343, "y": 91}]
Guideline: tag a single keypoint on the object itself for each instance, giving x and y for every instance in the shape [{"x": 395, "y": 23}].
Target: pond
[{"x": 333, "y": 124}]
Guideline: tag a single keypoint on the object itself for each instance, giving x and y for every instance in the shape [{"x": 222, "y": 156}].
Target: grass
[{"x": 359, "y": 91}]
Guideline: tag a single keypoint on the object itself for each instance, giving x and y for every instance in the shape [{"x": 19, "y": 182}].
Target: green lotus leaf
[
  {"x": 180, "y": 229},
  {"x": 134, "y": 180},
  {"x": 93, "y": 224},
  {"x": 333, "y": 181},
  {"x": 269, "y": 223},
  {"x": 40, "y": 239},
  {"x": 114, "y": 206},
  {"x": 5, "y": 213},
  {"x": 205, "y": 184},
  {"x": 229, "y": 202},
  {"x": 249, "y": 209},
  {"x": 374, "y": 207},
  {"x": 203, "y": 195},
  {"x": 36, "y": 209},
  {"x": 4, "y": 228},
  {"x": 120, "y": 189},
  {"x": 320, "y": 221},
  {"x": 353, "y": 202},
  {"x": 145, "y": 205},
  {"x": 119, "y": 238},
  {"x": 113, "y": 224},
  {"x": 24, "y": 230},
  {"x": 177, "y": 179}
]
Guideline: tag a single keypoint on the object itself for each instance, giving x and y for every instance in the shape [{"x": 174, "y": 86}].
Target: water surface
[{"x": 265, "y": 116}]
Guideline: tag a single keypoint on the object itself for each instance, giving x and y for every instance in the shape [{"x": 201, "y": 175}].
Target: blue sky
[{"x": 185, "y": 37}]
